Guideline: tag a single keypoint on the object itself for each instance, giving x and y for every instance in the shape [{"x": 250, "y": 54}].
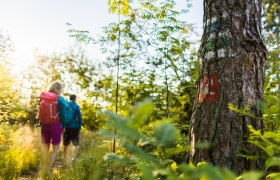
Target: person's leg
[
  {"x": 66, "y": 142},
  {"x": 56, "y": 138},
  {"x": 75, "y": 151},
  {"x": 76, "y": 142},
  {"x": 65, "y": 149},
  {"x": 44, "y": 157},
  {"x": 45, "y": 150},
  {"x": 54, "y": 155},
  {"x": 46, "y": 139}
]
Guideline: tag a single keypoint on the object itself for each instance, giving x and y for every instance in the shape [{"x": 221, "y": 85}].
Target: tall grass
[
  {"x": 19, "y": 152},
  {"x": 89, "y": 164}
]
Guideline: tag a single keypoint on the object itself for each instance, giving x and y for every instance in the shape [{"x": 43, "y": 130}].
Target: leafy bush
[
  {"x": 269, "y": 143},
  {"x": 148, "y": 149},
  {"x": 18, "y": 153}
]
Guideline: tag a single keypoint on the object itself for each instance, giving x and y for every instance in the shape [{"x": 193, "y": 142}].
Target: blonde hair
[{"x": 55, "y": 87}]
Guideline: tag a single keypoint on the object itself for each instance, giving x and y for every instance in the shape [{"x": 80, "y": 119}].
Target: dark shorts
[
  {"x": 51, "y": 134},
  {"x": 71, "y": 135}
]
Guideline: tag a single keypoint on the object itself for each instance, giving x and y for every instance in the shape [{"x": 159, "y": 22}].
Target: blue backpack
[{"x": 66, "y": 112}]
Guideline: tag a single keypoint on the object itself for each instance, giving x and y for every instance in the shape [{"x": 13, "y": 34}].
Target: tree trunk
[{"x": 231, "y": 71}]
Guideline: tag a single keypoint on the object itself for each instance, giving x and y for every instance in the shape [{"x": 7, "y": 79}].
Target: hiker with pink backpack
[{"x": 50, "y": 120}]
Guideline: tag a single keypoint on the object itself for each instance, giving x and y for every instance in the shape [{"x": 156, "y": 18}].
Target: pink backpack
[{"x": 48, "y": 109}]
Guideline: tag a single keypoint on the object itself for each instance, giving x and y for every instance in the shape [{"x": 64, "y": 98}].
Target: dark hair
[{"x": 72, "y": 97}]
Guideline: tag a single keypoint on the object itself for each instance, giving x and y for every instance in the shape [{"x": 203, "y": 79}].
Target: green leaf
[
  {"x": 206, "y": 171},
  {"x": 146, "y": 171},
  {"x": 143, "y": 156},
  {"x": 119, "y": 6},
  {"x": 177, "y": 150},
  {"x": 163, "y": 172},
  {"x": 116, "y": 121},
  {"x": 113, "y": 37},
  {"x": 274, "y": 161},
  {"x": 123, "y": 160},
  {"x": 142, "y": 113},
  {"x": 253, "y": 175},
  {"x": 275, "y": 176},
  {"x": 166, "y": 134},
  {"x": 274, "y": 109}
]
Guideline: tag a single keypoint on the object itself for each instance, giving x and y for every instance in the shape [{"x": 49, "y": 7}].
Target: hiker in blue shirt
[{"x": 72, "y": 129}]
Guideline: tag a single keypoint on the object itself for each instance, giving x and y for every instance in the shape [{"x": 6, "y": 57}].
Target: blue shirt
[{"x": 77, "y": 122}]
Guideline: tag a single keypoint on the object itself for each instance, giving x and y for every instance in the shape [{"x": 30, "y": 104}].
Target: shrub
[{"x": 19, "y": 153}]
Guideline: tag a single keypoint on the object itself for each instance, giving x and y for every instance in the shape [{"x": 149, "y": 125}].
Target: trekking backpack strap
[{"x": 54, "y": 115}]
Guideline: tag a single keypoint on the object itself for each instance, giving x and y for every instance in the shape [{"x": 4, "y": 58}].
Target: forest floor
[
  {"x": 35, "y": 175},
  {"x": 26, "y": 157}
]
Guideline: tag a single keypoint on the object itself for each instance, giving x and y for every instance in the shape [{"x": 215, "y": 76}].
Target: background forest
[{"x": 136, "y": 104}]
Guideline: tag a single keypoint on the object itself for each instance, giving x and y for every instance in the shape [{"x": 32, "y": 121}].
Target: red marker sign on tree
[{"x": 209, "y": 88}]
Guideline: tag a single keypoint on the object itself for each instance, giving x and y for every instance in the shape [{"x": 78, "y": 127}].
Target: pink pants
[{"x": 51, "y": 134}]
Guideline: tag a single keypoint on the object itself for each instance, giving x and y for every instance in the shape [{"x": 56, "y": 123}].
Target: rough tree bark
[{"x": 231, "y": 71}]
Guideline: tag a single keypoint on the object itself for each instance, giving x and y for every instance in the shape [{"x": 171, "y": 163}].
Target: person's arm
[
  {"x": 61, "y": 102},
  {"x": 79, "y": 114}
]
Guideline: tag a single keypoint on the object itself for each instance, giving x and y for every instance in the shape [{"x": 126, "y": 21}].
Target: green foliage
[
  {"x": 142, "y": 114},
  {"x": 7, "y": 94},
  {"x": 271, "y": 110},
  {"x": 149, "y": 47},
  {"x": 205, "y": 171},
  {"x": 92, "y": 120},
  {"x": 271, "y": 16},
  {"x": 155, "y": 59},
  {"x": 11, "y": 109},
  {"x": 148, "y": 150},
  {"x": 18, "y": 151},
  {"x": 272, "y": 83},
  {"x": 149, "y": 154},
  {"x": 251, "y": 175},
  {"x": 119, "y": 6},
  {"x": 268, "y": 142},
  {"x": 242, "y": 112},
  {"x": 80, "y": 35}
]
